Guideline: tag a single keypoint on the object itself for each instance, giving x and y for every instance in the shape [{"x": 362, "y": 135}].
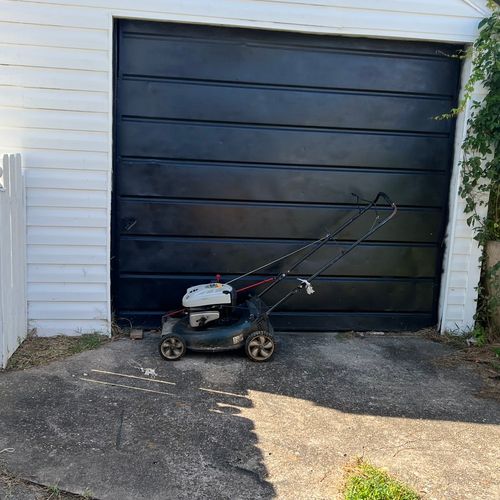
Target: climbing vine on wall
[{"x": 480, "y": 166}]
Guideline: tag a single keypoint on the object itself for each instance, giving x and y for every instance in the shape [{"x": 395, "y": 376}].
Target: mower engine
[{"x": 209, "y": 302}]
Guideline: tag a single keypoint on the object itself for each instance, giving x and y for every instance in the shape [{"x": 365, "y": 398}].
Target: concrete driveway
[{"x": 218, "y": 426}]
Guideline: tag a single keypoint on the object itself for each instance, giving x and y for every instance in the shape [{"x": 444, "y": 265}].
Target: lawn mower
[{"x": 213, "y": 319}]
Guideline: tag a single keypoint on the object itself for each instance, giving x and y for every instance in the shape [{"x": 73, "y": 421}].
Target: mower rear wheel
[
  {"x": 260, "y": 346},
  {"x": 172, "y": 347}
]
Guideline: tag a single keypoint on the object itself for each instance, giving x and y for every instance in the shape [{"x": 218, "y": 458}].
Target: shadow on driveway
[{"x": 219, "y": 426}]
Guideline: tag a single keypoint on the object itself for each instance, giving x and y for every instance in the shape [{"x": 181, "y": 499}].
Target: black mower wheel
[
  {"x": 260, "y": 346},
  {"x": 172, "y": 347}
]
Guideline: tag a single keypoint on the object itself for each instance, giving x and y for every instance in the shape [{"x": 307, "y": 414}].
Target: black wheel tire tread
[
  {"x": 169, "y": 337},
  {"x": 256, "y": 334}
]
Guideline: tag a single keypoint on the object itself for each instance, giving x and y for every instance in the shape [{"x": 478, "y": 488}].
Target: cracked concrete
[{"x": 219, "y": 426}]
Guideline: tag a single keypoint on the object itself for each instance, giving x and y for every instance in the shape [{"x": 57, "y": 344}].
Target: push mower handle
[{"x": 385, "y": 197}]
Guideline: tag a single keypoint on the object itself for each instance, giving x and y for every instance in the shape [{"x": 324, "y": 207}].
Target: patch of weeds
[
  {"x": 87, "y": 495},
  {"x": 12, "y": 487},
  {"x": 480, "y": 334},
  {"x": 36, "y": 351},
  {"x": 365, "y": 482},
  {"x": 459, "y": 340},
  {"x": 486, "y": 361},
  {"x": 53, "y": 491},
  {"x": 88, "y": 342}
]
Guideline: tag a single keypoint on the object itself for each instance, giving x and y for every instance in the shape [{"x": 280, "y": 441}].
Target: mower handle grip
[{"x": 385, "y": 197}]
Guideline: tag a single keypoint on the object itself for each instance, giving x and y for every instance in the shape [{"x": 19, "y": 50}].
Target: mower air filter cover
[{"x": 210, "y": 294}]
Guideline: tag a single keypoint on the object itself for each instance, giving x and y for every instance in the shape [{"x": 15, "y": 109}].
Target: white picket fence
[{"x": 13, "y": 322}]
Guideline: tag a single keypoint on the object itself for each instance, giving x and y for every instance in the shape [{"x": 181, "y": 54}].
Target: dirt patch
[
  {"x": 485, "y": 359},
  {"x": 36, "y": 351}
]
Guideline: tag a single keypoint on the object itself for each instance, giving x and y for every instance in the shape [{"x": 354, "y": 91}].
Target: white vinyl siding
[
  {"x": 462, "y": 258},
  {"x": 55, "y": 108}
]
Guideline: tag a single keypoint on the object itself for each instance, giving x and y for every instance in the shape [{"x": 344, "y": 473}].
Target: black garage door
[{"x": 234, "y": 146}]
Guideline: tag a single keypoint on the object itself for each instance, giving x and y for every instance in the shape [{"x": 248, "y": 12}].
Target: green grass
[
  {"x": 366, "y": 482},
  {"x": 88, "y": 342}
]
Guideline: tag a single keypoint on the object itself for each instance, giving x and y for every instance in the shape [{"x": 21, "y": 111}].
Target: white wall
[
  {"x": 462, "y": 256},
  {"x": 55, "y": 107}
]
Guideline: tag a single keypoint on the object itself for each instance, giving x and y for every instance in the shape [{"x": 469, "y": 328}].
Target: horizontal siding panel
[
  {"x": 64, "y": 79},
  {"x": 54, "y": 139},
  {"x": 50, "y": 119},
  {"x": 68, "y": 161},
  {"x": 455, "y": 313},
  {"x": 66, "y": 179},
  {"x": 56, "y": 99},
  {"x": 67, "y": 198},
  {"x": 458, "y": 279},
  {"x": 462, "y": 216},
  {"x": 67, "y": 292},
  {"x": 54, "y": 57},
  {"x": 79, "y": 236},
  {"x": 67, "y": 254},
  {"x": 462, "y": 230},
  {"x": 462, "y": 246},
  {"x": 457, "y": 297},
  {"x": 459, "y": 262},
  {"x": 74, "y": 326},
  {"x": 53, "y": 15},
  {"x": 67, "y": 310},
  {"x": 53, "y": 36},
  {"x": 444, "y": 7},
  {"x": 46, "y": 273},
  {"x": 67, "y": 217}
]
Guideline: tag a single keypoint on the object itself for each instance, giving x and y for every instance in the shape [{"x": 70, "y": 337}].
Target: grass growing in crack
[
  {"x": 366, "y": 482},
  {"x": 53, "y": 491},
  {"x": 36, "y": 351},
  {"x": 12, "y": 487}
]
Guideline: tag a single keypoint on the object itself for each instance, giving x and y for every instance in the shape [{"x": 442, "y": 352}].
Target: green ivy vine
[{"x": 480, "y": 166}]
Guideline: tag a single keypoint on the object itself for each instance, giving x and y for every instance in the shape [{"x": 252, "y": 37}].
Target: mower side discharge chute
[{"x": 212, "y": 319}]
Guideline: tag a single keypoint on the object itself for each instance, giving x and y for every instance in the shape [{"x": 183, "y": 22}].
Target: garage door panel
[
  {"x": 230, "y": 103},
  {"x": 135, "y": 27},
  {"x": 245, "y": 220},
  {"x": 304, "y": 146},
  {"x": 189, "y": 255},
  {"x": 232, "y": 60},
  {"x": 330, "y": 294},
  {"x": 307, "y": 321},
  {"x": 211, "y": 181}
]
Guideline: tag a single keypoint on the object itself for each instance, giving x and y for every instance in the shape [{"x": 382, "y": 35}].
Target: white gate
[{"x": 13, "y": 322}]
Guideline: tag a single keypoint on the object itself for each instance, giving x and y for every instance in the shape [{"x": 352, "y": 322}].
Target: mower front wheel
[
  {"x": 260, "y": 346},
  {"x": 172, "y": 347}
]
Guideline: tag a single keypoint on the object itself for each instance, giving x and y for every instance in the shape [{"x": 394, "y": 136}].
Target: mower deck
[{"x": 220, "y": 337}]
